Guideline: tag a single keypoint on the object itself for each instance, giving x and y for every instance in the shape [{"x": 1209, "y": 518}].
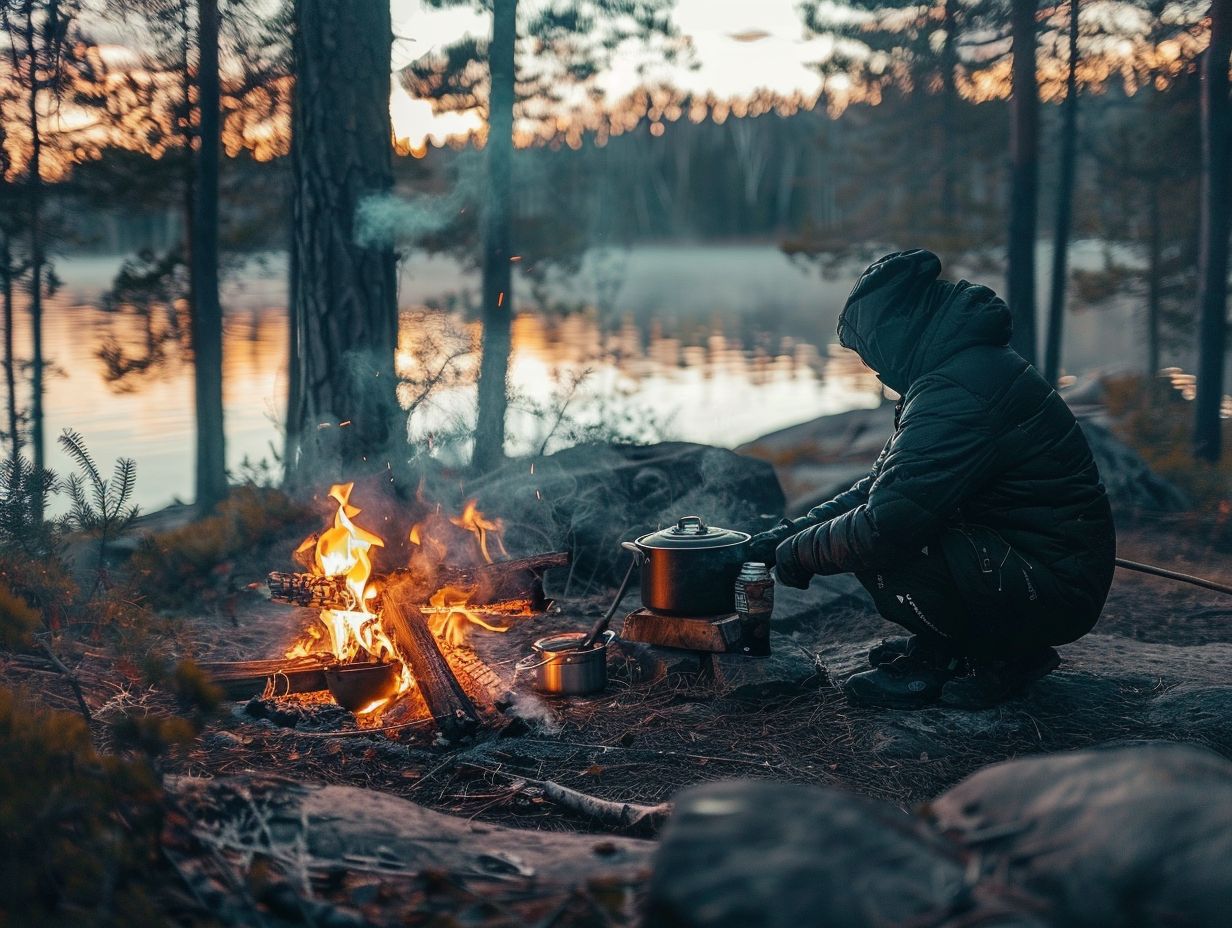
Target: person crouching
[{"x": 983, "y": 527}]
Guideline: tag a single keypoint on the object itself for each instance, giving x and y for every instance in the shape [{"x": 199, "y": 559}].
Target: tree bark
[
  {"x": 1024, "y": 179},
  {"x": 35, "y": 203},
  {"x": 1154, "y": 284},
  {"x": 10, "y": 372},
  {"x": 1065, "y": 196},
  {"x": 342, "y": 407},
  {"x": 497, "y": 271},
  {"x": 211, "y": 464},
  {"x": 1213, "y": 255}
]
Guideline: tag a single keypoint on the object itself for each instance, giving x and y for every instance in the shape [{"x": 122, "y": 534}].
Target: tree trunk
[
  {"x": 343, "y": 406},
  {"x": 10, "y": 374},
  {"x": 1065, "y": 195},
  {"x": 1213, "y": 255},
  {"x": 37, "y": 440},
  {"x": 947, "y": 189},
  {"x": 497, "y": 271},
  {"x": 211, "y": 472},
  {"x": 1024, "y": 180},
  {"x": 1154, "y": 284}
]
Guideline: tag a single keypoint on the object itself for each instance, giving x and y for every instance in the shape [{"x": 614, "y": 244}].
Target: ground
[{"x": 1156, "y": 667}]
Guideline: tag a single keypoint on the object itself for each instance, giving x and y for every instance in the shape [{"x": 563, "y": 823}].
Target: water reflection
[{"x": 123, "y": 378}]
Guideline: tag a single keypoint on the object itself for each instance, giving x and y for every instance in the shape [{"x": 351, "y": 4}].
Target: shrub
[
  {"x": 80, "y": 831},
  {"x": 174, "y": 568}
]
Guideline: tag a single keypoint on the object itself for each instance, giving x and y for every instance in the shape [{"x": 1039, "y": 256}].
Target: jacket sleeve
[{"x": 944, "y": 449}]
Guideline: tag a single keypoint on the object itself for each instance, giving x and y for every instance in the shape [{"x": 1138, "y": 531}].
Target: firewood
[
  {"x": 519, "y": 578},
  {"x": 238, "y": 679},
  {"x": 453, "y": 710}
]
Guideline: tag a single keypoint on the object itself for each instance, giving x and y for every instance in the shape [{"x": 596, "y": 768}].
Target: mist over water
[{"x": 715, "y": 344}]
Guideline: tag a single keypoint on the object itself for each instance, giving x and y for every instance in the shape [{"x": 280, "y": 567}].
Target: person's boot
[
  {"x": 993, "y": 682},
  {"x": 912, "y": 680},
  {"x": 890, "y": 648}
]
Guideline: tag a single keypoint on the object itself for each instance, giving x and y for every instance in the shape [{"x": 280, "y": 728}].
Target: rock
[
  {"x": 788, "y": 671},
  {"x": 1203, "y": 713},
  {"x": 1134, "y": 836},
  {"x": 591, "y": 498},
  {"x": 1129, "y": 480},
  {"x": 768, "y": 855},
  {"x": 816, "y": 460}
]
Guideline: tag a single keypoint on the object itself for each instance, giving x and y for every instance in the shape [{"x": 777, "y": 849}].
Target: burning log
[
  {"x": 452, "y": 709},
  {"x": 518, "y": 578}
]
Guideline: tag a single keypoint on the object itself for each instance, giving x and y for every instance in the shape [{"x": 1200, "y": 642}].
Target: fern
[
  {"x": 24, "y": 494},
  {"x": 99, "y": 506}
]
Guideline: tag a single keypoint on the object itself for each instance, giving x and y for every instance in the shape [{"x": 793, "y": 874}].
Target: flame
[
  {"x": 450, "y": 618},
  {"x": 477, "y": 524},
  {"x": 356, "y": 633}
]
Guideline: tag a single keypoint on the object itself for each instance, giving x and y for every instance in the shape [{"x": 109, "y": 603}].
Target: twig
[
  {"x": 624, "y": 816},
  {"x": 72, "y": 680}
]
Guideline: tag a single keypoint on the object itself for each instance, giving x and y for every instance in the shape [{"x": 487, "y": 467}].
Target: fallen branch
[
  {"x": 620, "y": 816},
  {"x": 72, "y": 680}
]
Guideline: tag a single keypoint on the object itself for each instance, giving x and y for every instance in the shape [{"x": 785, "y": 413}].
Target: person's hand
[
  {"x": 762, "y": 546},
  {"x": 788, "y": 567}
]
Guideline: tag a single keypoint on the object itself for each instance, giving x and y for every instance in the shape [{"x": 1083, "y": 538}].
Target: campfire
[{"x": 390, "y": 635}]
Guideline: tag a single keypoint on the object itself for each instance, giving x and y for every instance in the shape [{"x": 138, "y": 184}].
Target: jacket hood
[{"x": 904, "y": 322}]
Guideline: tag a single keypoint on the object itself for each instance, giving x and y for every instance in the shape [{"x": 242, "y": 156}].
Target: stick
[
  {"x": 72, "y": 680},
  {"x": 623, "y": 816},
  {"x": 1173, "y": 575}
]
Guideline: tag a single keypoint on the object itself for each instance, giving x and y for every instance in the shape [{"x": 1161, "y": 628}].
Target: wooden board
[{"x": 714, "y": 634}]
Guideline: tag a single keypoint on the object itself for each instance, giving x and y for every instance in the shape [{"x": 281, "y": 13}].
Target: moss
[
  {"x": 80, "y": 831},
  {"x": 175, "y": 568}
]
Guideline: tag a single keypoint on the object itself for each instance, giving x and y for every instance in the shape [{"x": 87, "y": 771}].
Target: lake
[{"x": 715, "y": 344}]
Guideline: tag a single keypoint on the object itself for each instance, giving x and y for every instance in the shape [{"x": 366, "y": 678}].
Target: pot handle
[
  {"x": 632, "y": 548},
  {"x": 691, "y": 520}
]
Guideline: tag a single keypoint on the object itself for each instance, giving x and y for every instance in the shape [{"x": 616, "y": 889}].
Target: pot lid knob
[{"x": 690, "y": 525}]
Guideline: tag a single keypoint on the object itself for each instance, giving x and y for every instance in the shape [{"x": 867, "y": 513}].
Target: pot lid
[{"x": 692, "y": 532}]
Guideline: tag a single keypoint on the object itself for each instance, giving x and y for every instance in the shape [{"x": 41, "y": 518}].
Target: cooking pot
[
  {"x": 690, "y": 569},
  {"x": 564, "y": 666}
]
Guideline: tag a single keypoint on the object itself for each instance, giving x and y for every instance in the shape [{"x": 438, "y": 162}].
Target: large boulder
[
  {"x": 817, "y": 459},
  {"x": 1134, "y": 836},
  {"x": 769, "y": 855},
  {"x": 592, "y": 497}
]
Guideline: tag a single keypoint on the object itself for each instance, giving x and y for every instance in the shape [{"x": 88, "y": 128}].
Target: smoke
[
  {"x": 535, "y": 712},
  {"x": 387, "y": 219}
]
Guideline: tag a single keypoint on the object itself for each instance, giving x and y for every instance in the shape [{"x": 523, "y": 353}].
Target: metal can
[{"x": 754, "y": 595}]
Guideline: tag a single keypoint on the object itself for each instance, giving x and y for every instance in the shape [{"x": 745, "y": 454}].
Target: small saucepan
[
  {"x": 690, "y": 569},
  {"x": 562, "y": 668}
]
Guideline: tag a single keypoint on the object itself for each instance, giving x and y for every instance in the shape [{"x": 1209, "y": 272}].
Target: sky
[{"x": 741, "y": 46}]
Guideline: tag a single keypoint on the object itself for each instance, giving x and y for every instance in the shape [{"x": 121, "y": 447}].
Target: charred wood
[{"x": 449, "y": 704}]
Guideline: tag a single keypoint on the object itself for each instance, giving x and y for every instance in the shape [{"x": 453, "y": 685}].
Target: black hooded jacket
[{"x": 980, "y": 439}]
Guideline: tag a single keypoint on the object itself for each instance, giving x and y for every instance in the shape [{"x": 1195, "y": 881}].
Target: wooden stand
[{"x": 718, "y": 634}]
